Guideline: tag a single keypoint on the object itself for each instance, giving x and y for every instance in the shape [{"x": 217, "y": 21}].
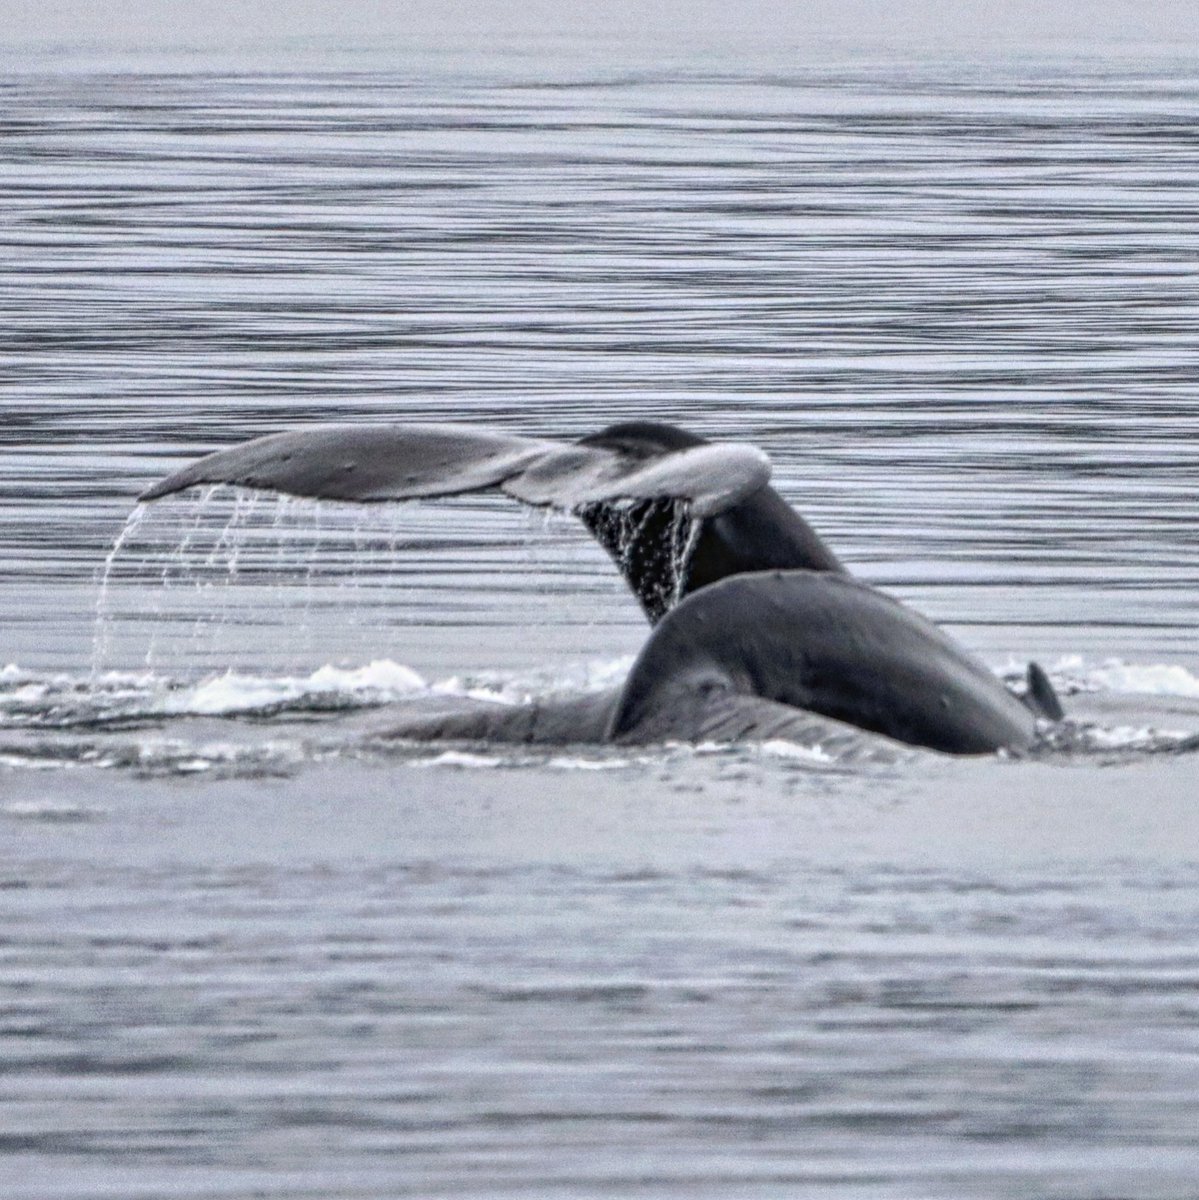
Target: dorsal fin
[{"x": 1039, "y": 695}]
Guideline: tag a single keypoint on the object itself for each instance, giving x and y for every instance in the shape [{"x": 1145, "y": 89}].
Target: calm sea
[{"x": 248, "y": 950}]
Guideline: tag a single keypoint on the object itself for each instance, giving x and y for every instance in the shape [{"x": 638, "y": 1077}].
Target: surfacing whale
[{"x": 757, "y": 627}]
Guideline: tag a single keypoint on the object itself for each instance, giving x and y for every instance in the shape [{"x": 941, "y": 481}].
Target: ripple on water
[{"x": 955, "y": 303}]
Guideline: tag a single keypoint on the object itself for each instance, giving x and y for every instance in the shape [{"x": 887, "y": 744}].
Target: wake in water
[{"x": 234, "y": 723}]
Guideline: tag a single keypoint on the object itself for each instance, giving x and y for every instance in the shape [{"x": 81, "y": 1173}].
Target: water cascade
[{"x": 203, "y": 578}]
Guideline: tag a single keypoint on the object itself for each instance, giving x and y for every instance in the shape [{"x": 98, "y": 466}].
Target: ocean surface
[{"x": 253, "y": 948}]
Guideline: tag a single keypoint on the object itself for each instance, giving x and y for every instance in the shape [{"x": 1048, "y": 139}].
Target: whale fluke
[
  {"x": 674, "y": 511},
  {"x": 362, "y": 463},
  {"x": 373, "y": 463}
]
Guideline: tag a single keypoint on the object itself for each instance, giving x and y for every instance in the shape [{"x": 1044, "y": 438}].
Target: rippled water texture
[{"x": 252, "y": 949}]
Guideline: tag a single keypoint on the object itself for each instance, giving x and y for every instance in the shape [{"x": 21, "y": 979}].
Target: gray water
[{"x": 251, "y": 949}]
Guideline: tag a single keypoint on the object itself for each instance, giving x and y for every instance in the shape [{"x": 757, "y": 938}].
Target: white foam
[
  {"x": 493, "y": 693},
  {"x": 458, "y": 758},
  {"x": 704, "y": 747},
  {"x": 1073, "y": 673},
  {"x": 30, "y": 763},
  {"x": 50, "y": 810},
  {"x": 110, "y": 681},
  {"x": 379, "y": 675},
  {"x": 573, "y": 763},
  {"x": 219, "y": 695},
  {"x": 500, "y": 688},
  {"x": 1127, "y": 737},
  {"x": 193, "y": 766},
  {"x": 1161, "y": 679},
  {"x": 230, "y": 693},
  {"x": 780, "y": 748}
]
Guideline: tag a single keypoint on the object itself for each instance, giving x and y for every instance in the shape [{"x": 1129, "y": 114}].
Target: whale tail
[{"x": 675, "y": 512}]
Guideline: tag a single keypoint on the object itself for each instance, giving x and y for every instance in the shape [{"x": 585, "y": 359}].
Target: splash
[
  {"x": 337, "y": 687},
  {"x": 1072, "y": 675},
  {"x": 1148, "y": 680},
  {"x": 121, "y": 699},
  {"x": 461, "y": 759},
  {"x": 684, "y": 537},
  {"x": 54, "y": 812},
  {"x": 204, "y": 575},
  {"x": 102, "y": 631},
  {"x": 1115, "y": 743},
  {"x": 796, "y": 751}
]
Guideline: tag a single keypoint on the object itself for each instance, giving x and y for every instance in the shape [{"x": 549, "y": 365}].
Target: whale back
[{"x": 824, "y": 643}]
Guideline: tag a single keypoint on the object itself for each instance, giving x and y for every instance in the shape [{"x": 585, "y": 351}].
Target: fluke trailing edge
[{"x": 754, "y": 616}]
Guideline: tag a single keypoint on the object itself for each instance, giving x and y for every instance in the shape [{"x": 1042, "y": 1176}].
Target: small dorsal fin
[{"x": 1039, "y": 695}]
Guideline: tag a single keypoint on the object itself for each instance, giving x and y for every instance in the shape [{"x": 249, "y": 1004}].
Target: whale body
[{"x": 757, "y": 628}]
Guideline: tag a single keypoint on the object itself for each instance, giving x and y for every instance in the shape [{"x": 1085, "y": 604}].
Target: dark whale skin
[
  {"x": 827, "y": 644},
  {"x": 760, "y": 532},
  {"x": 758, "y": 629}
]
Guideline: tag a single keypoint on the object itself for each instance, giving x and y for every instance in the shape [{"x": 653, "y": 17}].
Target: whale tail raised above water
[{"x": 675, "y": 512}]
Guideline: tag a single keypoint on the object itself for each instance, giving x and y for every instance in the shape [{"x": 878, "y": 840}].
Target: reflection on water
[{"x": 263, "y": 956}]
